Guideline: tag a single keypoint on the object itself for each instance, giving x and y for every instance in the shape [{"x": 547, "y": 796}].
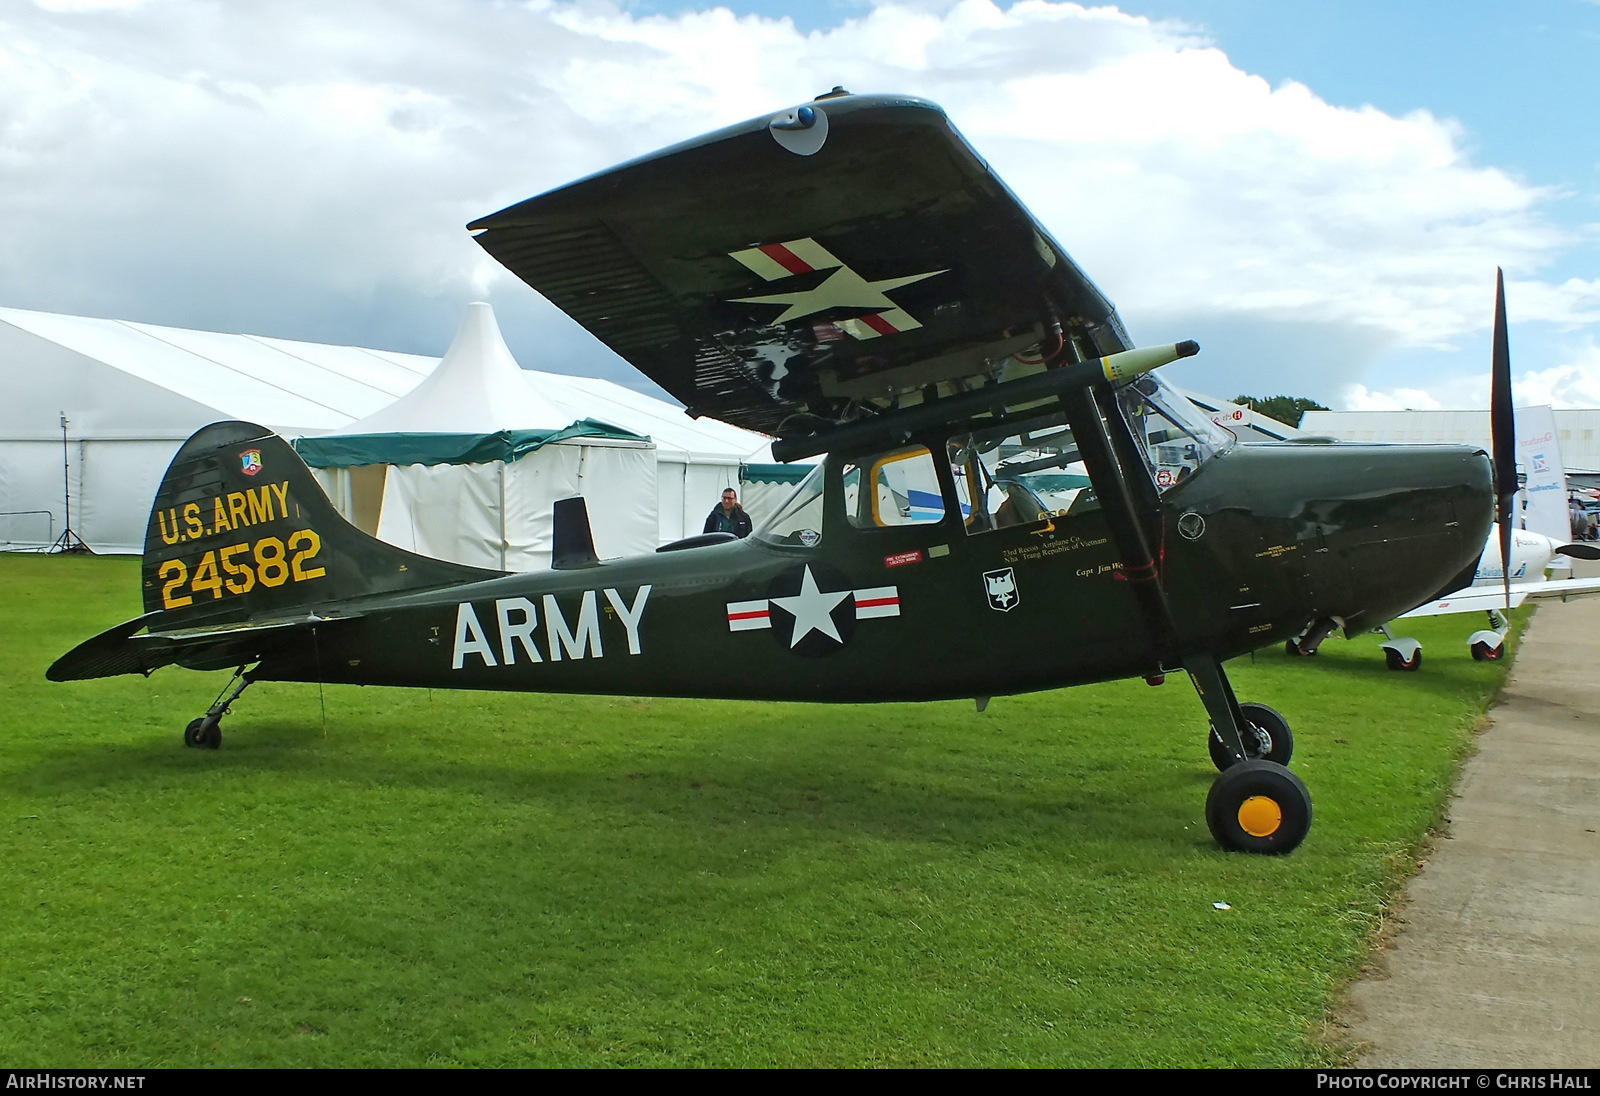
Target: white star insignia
[
  {"x": 812, "y": 610},
  {"x": 844, "y": 288}
]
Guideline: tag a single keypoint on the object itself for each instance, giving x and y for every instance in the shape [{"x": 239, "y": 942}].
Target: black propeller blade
[
  {"x": 1502, "y": 424},
  {"x": 1579, "y": 551}
]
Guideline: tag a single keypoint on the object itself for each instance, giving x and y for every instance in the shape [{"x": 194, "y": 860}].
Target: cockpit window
[
  {"x": 902, "y": 489},
  {"x": 1019, "y": 475},
  {"x": 1173, "y": 434},
  {"x": 798, "y": 522}
]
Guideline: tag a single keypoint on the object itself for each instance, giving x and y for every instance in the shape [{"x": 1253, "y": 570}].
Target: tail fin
[{"x": 242, "y": 532}]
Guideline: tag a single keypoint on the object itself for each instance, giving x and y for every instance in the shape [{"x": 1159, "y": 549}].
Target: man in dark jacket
[{"x": 729, "y": 517}]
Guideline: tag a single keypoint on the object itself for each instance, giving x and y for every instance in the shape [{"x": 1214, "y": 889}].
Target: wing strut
[
  {"x": 1111, "y": 487},
  {"x": 1102, "y": 437}
]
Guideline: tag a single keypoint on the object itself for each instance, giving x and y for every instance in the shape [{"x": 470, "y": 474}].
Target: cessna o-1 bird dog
[{"x": 1011, "y": 499}]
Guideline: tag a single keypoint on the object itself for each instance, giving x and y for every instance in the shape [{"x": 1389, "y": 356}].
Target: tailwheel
[
  {"x": 1258, "y": 806},
  {"x": 1484, "y": 652},
  {"x": 204, "y": 733},
  {"x": 1266, "y": 736},
  {"x": 1398, "y": 661},
  {"x": 1292, "y": 648}
]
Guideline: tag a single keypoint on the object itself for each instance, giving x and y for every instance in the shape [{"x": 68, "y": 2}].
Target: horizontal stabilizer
[{"x": 120, "y": 650}]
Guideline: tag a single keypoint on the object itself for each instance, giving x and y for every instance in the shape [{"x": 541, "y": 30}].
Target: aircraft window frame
[
  {"x": 982, "y": 510},
  {"x": 874, "y": 467},
  {"x": 784, "y": 529}
]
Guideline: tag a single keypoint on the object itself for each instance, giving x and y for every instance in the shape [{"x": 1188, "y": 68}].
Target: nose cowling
[
  {"x": 1358, "y": 533},
  {"x": 1397, "y": 525}
]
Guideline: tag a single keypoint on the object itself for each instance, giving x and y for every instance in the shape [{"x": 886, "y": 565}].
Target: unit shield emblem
[
  {"x": 250, "y": 461},
  {"x": 1001, "y": 588}
]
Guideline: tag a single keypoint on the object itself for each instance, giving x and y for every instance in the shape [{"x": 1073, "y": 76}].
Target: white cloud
[
  {"x": 1575, "y": 382},
  {"x": 202, "y": 162},
  {"x": 1357, "y": 397}
]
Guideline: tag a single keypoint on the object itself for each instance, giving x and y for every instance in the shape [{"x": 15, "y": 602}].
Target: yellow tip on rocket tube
[{"x": 1130, "y": 363}]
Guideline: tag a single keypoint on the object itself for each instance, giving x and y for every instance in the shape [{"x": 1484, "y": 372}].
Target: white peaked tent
[{"x": 469, "y": 464}]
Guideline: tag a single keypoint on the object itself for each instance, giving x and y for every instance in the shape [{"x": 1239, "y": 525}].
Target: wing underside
[{"x": 758, "y": 278}]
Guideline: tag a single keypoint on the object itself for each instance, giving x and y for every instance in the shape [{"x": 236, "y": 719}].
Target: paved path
[{"x": 1498, "y": 960}]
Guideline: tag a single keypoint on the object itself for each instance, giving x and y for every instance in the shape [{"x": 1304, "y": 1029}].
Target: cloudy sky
[{"x": 1319, "y": 192}]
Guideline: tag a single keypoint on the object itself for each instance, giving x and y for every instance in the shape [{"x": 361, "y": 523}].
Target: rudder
[{"x": 241, "y": 530}]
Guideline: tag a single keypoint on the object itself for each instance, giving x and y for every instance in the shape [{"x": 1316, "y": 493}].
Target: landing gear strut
[
  {"x": 205, "y": 733},
  {"x": 1306, "y": 643},
  {"x": 1255, "y": 804}
]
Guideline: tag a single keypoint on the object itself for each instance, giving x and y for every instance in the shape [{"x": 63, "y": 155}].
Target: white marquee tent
[{"x": 133, "y": 392}]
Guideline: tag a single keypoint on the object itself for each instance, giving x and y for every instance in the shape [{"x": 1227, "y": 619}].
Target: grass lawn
[{"x": 513, "y": 879}]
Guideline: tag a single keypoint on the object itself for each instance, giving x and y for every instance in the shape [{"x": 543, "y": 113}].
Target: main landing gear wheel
[
  {"x": 1292, "y": 648},
  {"x": 1266, "y": 737},
  {"x": 1483, "y": 652},
  {"x": 1397, "y": 661},
  {"x": 204, "y": 733},
  {"x": 1258, "y": 806}
]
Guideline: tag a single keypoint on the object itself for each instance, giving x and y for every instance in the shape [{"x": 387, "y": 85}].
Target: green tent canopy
[
  {"x": 774, "y": 473},
  {"x": 354, "y": 450}
]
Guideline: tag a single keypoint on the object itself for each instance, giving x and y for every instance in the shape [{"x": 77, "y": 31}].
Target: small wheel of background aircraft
[
  {"x": 1531, "y": 554},
  {"x": 1011, "y": 499}
]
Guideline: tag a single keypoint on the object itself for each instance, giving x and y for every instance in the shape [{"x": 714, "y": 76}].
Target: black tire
[
  {"x": 203, "y": 734},
  {"x": 1258, "y": 806},
  {"x": 1482, "y": 652},
  {"x": 1292, "y": 648},
  {"x": 1266, "y": 736},
  {"x": 1396, "y": 662}
]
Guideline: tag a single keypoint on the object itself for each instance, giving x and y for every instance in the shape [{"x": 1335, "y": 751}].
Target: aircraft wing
[
  {"x": 773, "y": 269},
  {"x": 1478, "y": 599}
]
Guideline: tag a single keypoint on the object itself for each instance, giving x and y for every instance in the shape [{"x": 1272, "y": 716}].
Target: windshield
[
  {"x": 798, "y": 522},
  {"x": 1174, "y": 435}
]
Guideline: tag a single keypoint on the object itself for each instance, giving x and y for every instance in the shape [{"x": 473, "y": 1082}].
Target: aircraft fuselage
[{"x": 1285, "y": 534}]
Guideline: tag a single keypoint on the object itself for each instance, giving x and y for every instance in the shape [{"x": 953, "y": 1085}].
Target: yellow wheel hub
[{"x": 1260, "y": 816}]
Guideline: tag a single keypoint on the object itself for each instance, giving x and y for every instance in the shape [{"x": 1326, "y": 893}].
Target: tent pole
[
  {"x": 68, "y": 541},
  {"x": 503, "y": 545}
]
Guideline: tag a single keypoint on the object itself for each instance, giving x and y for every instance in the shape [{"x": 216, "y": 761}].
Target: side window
[
  {"x": 895, "y": 488},
  {"x": 1015, "y": 476}
]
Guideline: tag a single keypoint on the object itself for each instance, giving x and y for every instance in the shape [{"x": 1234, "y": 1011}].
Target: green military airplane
[{"x": 1011, "y": 499}]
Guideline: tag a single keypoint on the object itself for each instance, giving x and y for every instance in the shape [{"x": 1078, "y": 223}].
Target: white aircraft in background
[{"x": 1532, "y": 554}]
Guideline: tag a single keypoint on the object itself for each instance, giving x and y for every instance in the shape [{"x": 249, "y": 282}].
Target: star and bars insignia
[
  {"x": 842, "y": 289},
  {"x": 813, "y": 608}
]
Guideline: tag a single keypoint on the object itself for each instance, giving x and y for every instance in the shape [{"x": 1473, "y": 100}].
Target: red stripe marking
[
  {"x": 874, "y": 602},
  {"x": 749, "y": 616},
  {"x": 785, "y": 258},
  {"x": 882, "y": 326}
]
